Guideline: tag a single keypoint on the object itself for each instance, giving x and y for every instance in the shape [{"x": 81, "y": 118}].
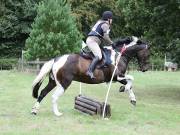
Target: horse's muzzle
[{"x": 144, "y": 70}]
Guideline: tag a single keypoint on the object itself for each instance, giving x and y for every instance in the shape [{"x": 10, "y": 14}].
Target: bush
[
  {"x": 54, "y": 31},
  {"x": 157, "y": 63},
  {"x": 8, "y": 63}
]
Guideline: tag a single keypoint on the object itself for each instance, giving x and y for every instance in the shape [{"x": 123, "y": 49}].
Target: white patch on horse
[
  {"x": 57, "y": 93},
  {"x": 128, "y": 86},
  {"x": 59, "y": 64},
  {"x": 35, "y": 108},
  {"x": 113, "y": 54},
  {"x": 127, "y": 77},
  {"x": 134, "y": 42},
  {"x": 59, "y": 90}
]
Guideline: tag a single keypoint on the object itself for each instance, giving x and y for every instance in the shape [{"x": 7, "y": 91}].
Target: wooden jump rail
[{"x": 91, "y": 106}]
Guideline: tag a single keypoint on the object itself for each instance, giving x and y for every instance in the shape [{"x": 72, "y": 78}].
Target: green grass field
[{"x": 157, "y": 111}]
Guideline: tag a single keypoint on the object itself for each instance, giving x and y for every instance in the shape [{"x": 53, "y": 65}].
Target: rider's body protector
[{"x": 101, "y": 30}]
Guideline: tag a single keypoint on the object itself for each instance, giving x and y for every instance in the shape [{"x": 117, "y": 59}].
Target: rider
[{"x": 100, "y": 31}]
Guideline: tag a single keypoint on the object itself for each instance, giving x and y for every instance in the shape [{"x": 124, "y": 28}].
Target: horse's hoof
[
  {"x": 58, "y": 114},
  {"x": 133, "y": 102},
  {"x": 33, "y": 113},
  {"x": 122, "y": 89}
]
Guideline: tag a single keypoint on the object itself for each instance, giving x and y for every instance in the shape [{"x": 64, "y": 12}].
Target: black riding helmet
[{"x": 107, "y": 15}]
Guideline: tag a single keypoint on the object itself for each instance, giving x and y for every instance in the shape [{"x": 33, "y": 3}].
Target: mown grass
[{"x": 157, "y": 111}]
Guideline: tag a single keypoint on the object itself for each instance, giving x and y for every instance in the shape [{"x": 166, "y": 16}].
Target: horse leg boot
[
  {"x": 57, "y": 93},
  {"x": 92, "y": 67}
]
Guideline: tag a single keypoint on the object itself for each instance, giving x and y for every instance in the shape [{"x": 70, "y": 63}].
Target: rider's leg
[
  {"x": 92, "y": 67},
  {"x": 94, "y": 47}
]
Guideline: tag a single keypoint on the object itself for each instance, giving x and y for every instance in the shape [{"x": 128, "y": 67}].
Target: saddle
[{"x": 106, "y": 57}]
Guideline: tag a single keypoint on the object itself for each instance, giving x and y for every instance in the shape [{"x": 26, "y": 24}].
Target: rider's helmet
[{"x": 107, "y": 15}]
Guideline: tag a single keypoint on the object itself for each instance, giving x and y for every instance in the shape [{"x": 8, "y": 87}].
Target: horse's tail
[{"x": 46, "y": 68}]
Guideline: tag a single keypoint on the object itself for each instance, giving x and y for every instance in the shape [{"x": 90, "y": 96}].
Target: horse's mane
[{"x": 121, "y": 41}]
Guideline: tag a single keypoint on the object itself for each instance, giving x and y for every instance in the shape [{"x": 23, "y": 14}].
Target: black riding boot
[{"x": 92, "y": 67}]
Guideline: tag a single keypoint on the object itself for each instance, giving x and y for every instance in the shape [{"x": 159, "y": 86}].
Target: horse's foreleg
[
  {"x": 51, "y": 84},
  {"x": 128, "y": 88},
  {"x": 127, "y": 81}
]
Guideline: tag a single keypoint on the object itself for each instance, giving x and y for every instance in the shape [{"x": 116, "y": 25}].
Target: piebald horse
[{"x": 63, "y": 70}]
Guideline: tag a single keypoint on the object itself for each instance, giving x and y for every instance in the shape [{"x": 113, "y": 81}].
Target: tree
[
  {"x": 175, "y": 53},
  {"x": 157, "y": 21},
  {"x": 15, "y": 19},
  {"x": 89, "y": 11},
  {"x": 54, "y": 31},
  {"x": 165, "y": 25}
]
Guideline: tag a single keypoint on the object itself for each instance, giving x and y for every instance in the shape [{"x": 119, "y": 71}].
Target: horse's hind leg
[
  {"x": 51, "y": 84},
  {"x": 57, "y": 93},
  {"x": 61, "y": 87}
]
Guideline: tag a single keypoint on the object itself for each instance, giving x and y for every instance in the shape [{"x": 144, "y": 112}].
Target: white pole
[
  {"x": 165, "y": 59},
  {"x": 22, "y": 60},
  {"x": 80, "y": 88},
  {"x": 117, "y": 61},
  {"x": 135, "y": 39}
]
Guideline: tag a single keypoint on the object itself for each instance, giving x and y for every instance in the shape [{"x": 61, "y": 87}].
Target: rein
[{"x": 123, "y": 50}]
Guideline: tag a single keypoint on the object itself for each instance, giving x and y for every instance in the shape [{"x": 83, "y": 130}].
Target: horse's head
[
  {"x": 137, "y": 49},
  {"x": 143, "y": 56}
]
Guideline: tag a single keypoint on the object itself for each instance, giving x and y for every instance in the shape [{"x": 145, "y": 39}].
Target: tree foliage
[
  {"x": 16, "y": 16},
  {"x": 89, "y": 11},
  {"x": 155, "y": 21},
  {"x": 54, "y": 31}
]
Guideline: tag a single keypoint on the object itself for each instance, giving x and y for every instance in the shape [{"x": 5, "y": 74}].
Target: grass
[{"x": 157, "y": 111}]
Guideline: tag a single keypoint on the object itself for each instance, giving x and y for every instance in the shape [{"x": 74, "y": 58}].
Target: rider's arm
[{"x": 106, "y": 31}]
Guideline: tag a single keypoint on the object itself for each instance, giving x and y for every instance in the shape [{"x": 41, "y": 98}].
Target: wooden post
[
  {"x": 37, "y": 65},
  {"x": 152, "y": 67},
  {"x": 165, "y": 62}
]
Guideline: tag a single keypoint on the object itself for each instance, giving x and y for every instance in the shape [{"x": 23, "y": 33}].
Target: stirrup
[{"x": 90, "y": 74}]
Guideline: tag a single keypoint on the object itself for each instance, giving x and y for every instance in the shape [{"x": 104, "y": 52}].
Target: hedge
[{"x": 7, "y": 64}]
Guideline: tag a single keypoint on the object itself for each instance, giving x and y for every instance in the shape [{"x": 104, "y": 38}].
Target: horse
[{"x": 72, "y": 67}]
